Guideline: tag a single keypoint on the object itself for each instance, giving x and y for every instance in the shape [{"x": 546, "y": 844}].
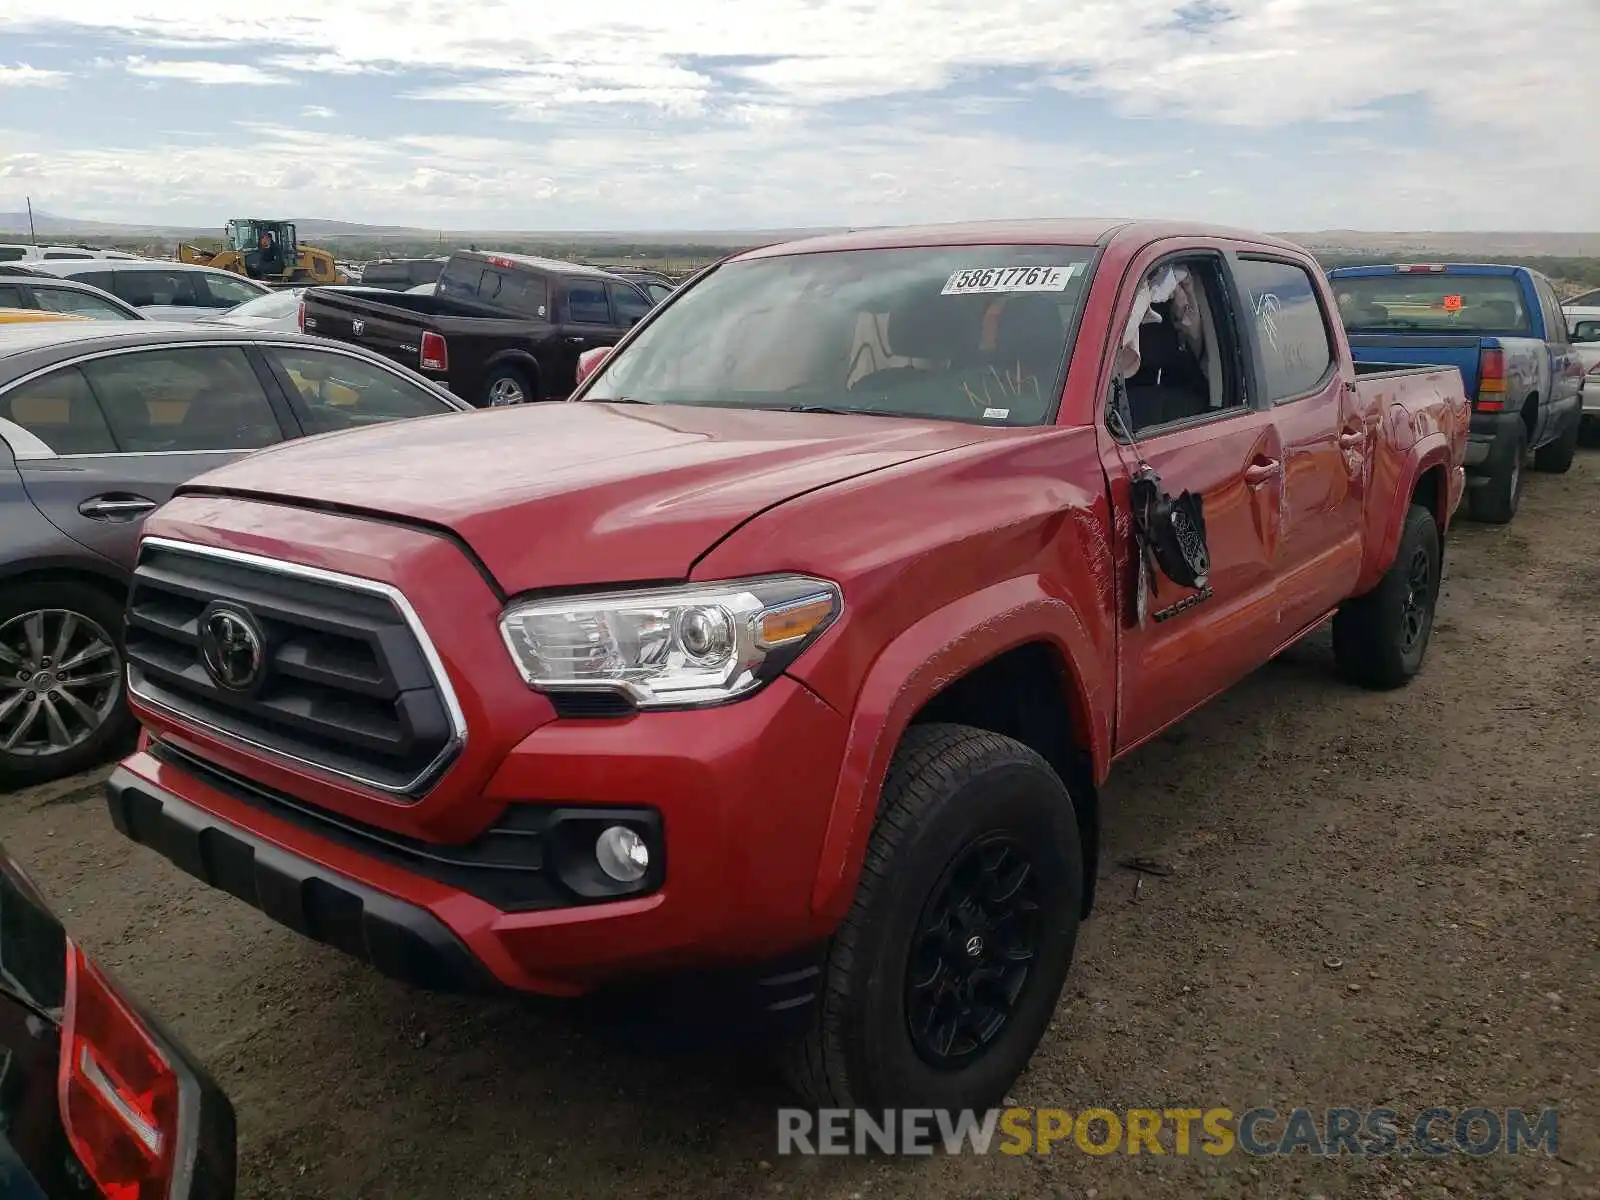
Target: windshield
[
  {"x": 270, "y": 306},
  {"x": 1436, "y": 302},
  {"x": 961, "y": 333}
]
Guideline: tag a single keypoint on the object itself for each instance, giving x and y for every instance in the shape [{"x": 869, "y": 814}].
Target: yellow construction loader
[{"x": 265, "y": 250}]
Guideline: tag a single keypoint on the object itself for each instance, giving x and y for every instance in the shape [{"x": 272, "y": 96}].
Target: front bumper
[{"x": 743, "y": 791}]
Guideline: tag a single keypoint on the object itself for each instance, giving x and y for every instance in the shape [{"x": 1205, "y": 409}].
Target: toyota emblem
[{"x": 232, "y": 648}]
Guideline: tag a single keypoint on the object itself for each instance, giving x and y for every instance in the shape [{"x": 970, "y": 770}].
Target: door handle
[
  {"x": 1262, "y": 471},
  {"x": 115, "y": 508}
]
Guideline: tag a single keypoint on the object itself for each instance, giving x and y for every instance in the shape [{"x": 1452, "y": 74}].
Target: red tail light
[
  {"x": 1491, "y": 381},
  {"x": 120, "y": 1098},
  {"x": 435, "y": 354}
]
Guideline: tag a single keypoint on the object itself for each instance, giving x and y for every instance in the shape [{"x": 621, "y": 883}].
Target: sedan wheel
[{"x": 60, "y": 681}]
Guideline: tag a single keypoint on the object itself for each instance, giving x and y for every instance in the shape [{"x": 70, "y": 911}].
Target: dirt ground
[{"x": 1436, "y": 846}]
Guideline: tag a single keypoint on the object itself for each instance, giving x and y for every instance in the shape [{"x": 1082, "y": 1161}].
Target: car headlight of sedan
[{"x": 694, "y": 644}]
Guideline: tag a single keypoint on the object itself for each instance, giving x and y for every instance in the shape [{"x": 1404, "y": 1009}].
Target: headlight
[{"x": 690, "y": 645}]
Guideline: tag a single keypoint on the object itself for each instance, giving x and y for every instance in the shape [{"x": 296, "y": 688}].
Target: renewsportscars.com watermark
[{"x": 1328, "y": 1132}]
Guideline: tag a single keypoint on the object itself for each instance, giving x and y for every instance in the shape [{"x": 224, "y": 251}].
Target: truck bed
[{"x": 392, "y": 323}]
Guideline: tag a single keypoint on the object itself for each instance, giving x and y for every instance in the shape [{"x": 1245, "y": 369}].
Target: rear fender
[
  {"x": 917, "y": 665},
  {"x": 523, "y": 361},
  {"x": 1393, "y": 484}
]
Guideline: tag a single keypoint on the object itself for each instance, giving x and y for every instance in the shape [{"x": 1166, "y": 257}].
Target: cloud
[
  {"x": 23, "y": 75},
  {"x": 824, "y": 111},
  {"x": 203, "y": 72}
]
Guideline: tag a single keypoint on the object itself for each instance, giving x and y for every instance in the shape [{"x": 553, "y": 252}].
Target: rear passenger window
[
  {"x": 147, "y": 289},
  {"x": 60, "y": 410},
  {"x": 336, "y": 391},
  {"x": 1296, "y": 351},
  {"x": 199, "y": 398},
  {"x": 11, "y": 296},
  {"x": 586, "y": 303},
  {"x": 630, "y": 305},
  {"x": 83, "y": 304}
]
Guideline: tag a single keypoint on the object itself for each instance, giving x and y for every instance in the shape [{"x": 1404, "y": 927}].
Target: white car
[
  {"x": 278, "y": 310},
  {"x": 1583, "y": 326},
  {"x": 18, "y": 252},
  {"x": 163, "y": 291}
]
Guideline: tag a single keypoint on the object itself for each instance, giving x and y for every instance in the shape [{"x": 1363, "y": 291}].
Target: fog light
[{"x": 622, "y": 854}]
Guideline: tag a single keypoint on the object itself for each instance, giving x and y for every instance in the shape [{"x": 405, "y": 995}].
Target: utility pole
[{"x": 32, "y": 236}]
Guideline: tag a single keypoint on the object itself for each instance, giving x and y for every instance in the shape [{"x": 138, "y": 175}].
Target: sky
[{"x": 774, "y": 114}]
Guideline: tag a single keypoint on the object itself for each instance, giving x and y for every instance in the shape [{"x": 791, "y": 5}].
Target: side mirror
[{"x": 589, "y": 361}]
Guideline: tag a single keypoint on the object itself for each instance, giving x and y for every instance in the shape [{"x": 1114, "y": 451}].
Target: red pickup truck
[{"x": 800, "y": 641}]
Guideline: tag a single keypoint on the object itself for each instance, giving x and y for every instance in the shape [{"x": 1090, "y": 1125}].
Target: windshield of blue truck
[
  {"x": 960, "y": 333},
  {"x": 1435, "y": 302}
]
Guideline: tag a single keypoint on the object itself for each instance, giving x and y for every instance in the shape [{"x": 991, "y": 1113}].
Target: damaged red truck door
[{"x": 796, "y": 647}]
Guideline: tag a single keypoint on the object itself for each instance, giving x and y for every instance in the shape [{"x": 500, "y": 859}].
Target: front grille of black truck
[{"x": 344, "y": 678}]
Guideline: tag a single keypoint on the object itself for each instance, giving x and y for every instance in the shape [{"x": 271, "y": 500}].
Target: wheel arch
[
  {"x": 64, "y": 570},
  {"x": 953, "y": 664},
  {"x": 522, "y": 361}
]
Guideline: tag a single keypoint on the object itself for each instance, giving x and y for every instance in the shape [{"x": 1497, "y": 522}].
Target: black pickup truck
[{"x": 498, "y": 329}]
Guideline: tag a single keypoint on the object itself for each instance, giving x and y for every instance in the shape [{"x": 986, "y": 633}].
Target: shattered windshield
[{"x": 962, "y": 333}]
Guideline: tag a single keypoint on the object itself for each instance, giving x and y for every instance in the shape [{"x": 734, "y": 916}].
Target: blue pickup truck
[{"x": 1503, "y": 328}]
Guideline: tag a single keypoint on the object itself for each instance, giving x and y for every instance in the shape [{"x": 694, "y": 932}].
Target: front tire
[
  {"x": 1380, "y": 638},
  {"x": 62, "y": 708},
  {"x": 941, "y": 980}
]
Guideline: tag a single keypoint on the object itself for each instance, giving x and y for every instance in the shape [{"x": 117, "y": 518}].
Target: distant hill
[{"x": 1508, "y": 243}]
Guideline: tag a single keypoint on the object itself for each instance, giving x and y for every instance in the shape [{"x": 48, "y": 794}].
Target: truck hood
[{"x": 563, "y": 495}]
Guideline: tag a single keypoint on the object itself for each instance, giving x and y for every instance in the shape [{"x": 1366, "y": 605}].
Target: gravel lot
[{"x": 1438, "y": 845}]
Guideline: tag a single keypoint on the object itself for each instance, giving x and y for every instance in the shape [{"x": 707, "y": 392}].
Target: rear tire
[
  {"x": 1380, "y": 638},
  {"x": 1556, "y": 457},
  {"x": 507, "y": 385},
  {"x": 966, "y": 911},
  {"x": 1495, "y": 499},
  {"x": 32, "y": 619}
]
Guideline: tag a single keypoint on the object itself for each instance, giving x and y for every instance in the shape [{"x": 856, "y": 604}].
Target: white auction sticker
[{"x": 1009, "y": 279}]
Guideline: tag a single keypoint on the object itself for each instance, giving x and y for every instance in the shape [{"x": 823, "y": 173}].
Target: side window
[
  {"x": 586, "y": 303},
  {"x": 11, "y": 296},
  {"x": 197, "y": 398},
  {"x": 1296, "y": 351},
  {"x": 1178, "y": 356},
  {"x": 146, "y": 289},
  {"x": 225, "y": 292},
  {"x": 1555, "y": 321},
  {"x": 99, "y": 279},
  {"x": 336, "y": 391},
  {"x": 84, "y": 304},
  {"x": 658, "y": 291},
  {"x": 629, "y": 304},
  {"x": 60, "y": 410},
  {"x": 74, "y": 255}
]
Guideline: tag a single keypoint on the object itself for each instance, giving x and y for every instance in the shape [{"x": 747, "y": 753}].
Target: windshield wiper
[{"x": 825, "y": 408}]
